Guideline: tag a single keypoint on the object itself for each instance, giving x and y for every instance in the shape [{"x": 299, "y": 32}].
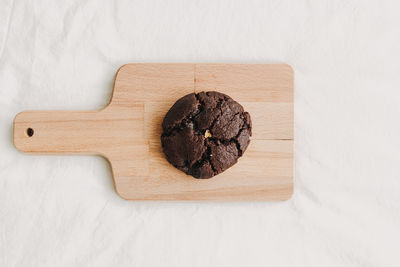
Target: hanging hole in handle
[{"x": 29, "y": 132}]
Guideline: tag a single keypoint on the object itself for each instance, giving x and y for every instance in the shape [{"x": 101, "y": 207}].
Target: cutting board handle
[{"x": 69, "y": 132}]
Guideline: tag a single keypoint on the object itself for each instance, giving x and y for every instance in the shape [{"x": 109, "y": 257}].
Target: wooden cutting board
[{"x": 127, "y": 131}]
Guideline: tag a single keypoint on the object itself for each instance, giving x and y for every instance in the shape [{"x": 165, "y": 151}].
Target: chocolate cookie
[{"x": 204, "y": 134}]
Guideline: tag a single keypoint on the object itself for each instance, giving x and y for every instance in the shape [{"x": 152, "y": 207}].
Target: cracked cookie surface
[{"x": 204, "y": 134}]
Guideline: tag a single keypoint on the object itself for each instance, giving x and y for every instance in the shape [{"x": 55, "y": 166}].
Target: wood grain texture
[{"x": 127, "y": 131}]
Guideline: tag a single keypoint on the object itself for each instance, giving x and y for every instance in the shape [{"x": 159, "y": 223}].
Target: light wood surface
[{"x": 127, "y": 131}]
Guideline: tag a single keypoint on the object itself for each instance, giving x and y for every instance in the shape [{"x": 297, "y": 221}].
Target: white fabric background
[{"x": 63, "y": 211}]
